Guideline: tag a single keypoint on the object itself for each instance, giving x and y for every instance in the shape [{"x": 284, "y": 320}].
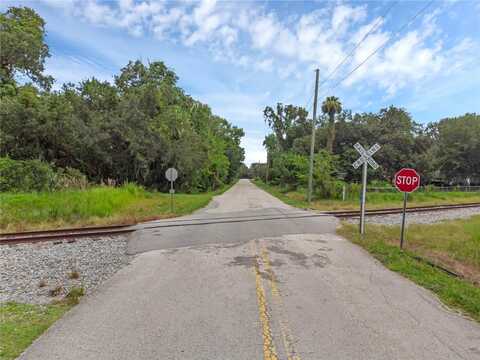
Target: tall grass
[{"x": 98, "y": 205}]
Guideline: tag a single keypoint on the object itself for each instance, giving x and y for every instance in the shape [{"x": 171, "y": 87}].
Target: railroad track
[
  {"x": 413, "y": 209},
  {"x": 59, "y": 234},
  {"x": 74, "y": 233}
]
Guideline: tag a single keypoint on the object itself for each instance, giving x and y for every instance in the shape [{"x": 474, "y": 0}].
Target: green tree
[
  {"x": 331, "y": 106},
  {"x": 271, "y": 145},
  {"x": 286, "y": 122},
  {"x": 23, "y": 49},
  {"x": 458, "y": 148}
]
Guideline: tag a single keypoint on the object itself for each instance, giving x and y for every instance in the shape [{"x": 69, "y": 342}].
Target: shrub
[
  {"x": 36, "y": 175},
  {"x": 290, "y": 170},
  {"x": 26, "y": 175},
  {"x": 325, "y": 185},
  {"x": 70, "y": 178}
]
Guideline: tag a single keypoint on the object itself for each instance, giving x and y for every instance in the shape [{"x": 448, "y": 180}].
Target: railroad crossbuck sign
[
  {"x": 366, "y": 156},
  {"x": 407, "y": 180},
  {"x": 365, "y": 159}
]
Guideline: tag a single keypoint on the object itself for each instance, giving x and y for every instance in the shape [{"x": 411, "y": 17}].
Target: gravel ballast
[
  {"x": 42, "y": 272},
  {"x": 421, "y": 217}
]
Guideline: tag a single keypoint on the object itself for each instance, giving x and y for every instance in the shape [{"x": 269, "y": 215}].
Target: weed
[
  {"x": 74, "y": 274},
  {"x": 74, "y": 295},
  {"x": 57, "y": 290}
]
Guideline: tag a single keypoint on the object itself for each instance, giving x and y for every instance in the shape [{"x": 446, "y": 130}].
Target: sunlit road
[{"x": 252, "y": 278}]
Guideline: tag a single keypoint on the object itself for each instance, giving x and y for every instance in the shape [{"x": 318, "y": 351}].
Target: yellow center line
[
  {"x": 269, "y": 352},
  {"x": 284, "y": 327}
]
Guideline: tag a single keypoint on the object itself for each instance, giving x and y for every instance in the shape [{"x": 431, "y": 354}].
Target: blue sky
[{"x": 242, "y": 56}]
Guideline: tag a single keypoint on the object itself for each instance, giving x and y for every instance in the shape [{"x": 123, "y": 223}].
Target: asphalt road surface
[{"x": 249, "y": 277}]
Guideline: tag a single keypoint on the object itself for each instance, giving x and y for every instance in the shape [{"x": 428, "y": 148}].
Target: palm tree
[{"x": 331, "y": 106}]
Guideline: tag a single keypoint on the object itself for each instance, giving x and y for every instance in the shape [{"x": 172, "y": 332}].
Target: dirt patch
[{"x": 469, "y": 272}]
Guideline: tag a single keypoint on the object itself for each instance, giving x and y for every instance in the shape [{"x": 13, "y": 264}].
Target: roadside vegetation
[
  {"x": 128, "y": 130},
  {"x": 21, "y": 324},
  {"x": 96, "y": 152},
  {"x": 375, "y": 200},
  {"x": 453, "y": 244},
  {"x": 446, "y": 152},
  {"x": 99, "y": 205}
]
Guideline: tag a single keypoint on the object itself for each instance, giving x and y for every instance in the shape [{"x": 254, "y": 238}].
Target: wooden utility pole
[{"x": 312, "y": 145}]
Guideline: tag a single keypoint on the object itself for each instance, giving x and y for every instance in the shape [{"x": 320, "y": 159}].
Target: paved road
[{"x": 284, "y": 287}]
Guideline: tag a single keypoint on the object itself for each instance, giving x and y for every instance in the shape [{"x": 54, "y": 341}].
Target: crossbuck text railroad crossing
[
  {"x": 366, "y": 156},
  {"x": 365, "y": 159}
]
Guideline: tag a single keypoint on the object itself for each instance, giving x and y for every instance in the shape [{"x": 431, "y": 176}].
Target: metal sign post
[
  {"x": 365, "y": 159},
  {"x": 402, "y": 234},
  {"x": 171, "y": 174},
  {"x": 406, "y": 180}
]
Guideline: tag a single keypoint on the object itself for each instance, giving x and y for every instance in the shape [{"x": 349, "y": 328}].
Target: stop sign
[{"x": 407, "y": 180}]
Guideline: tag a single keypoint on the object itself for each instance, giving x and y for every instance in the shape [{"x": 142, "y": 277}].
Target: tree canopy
[
  {"x": 23, "y": 47},
  {"x": 447, "y": 151},
  {"x": 130, "y": 130}
]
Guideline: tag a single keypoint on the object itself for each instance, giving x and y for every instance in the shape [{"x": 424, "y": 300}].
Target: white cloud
[
  {"x": 259, "y": 38},
  {"x": 344, "y": 16},
  {"x": 263, "y": 31}
]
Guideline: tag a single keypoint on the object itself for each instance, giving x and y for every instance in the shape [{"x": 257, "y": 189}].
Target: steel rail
[
  {"x": 388, "y": 211},
  {"x": 65, "y": 233},
  {"x": 48, "y": 235}
]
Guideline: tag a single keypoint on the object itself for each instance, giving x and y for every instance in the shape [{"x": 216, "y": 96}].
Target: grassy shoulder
[
  {"x": 94, "y": 206},
  {"x": 21, "y": 324},
  {"x": 452, "y": 243},
  {"x": 374, "y": 200}
]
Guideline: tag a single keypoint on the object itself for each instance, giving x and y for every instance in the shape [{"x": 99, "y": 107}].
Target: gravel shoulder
[
  {"x": 421, "y": 218},
  {"x": 42, "y": 272}
]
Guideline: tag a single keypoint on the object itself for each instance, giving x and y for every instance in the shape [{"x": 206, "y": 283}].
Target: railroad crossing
[
  {"x": 365, "y": 159},
  {"x": 283, "y": 288}
]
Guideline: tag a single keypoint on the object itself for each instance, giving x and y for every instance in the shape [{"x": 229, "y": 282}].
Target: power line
[
  {"x": 352, "y": 51},
  {"x": 403, "y": 27}
]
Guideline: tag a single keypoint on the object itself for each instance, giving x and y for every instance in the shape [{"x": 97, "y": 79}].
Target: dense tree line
[
  {"x": 130, "y": 130},
  {"x": 447, "y": 151}
]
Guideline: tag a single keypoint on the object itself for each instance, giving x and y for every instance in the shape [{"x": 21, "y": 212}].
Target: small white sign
[{"x": 171, "y": 174}]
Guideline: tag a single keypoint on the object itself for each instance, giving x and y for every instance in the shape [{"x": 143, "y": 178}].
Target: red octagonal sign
[{"x": 407, "y": 180}]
